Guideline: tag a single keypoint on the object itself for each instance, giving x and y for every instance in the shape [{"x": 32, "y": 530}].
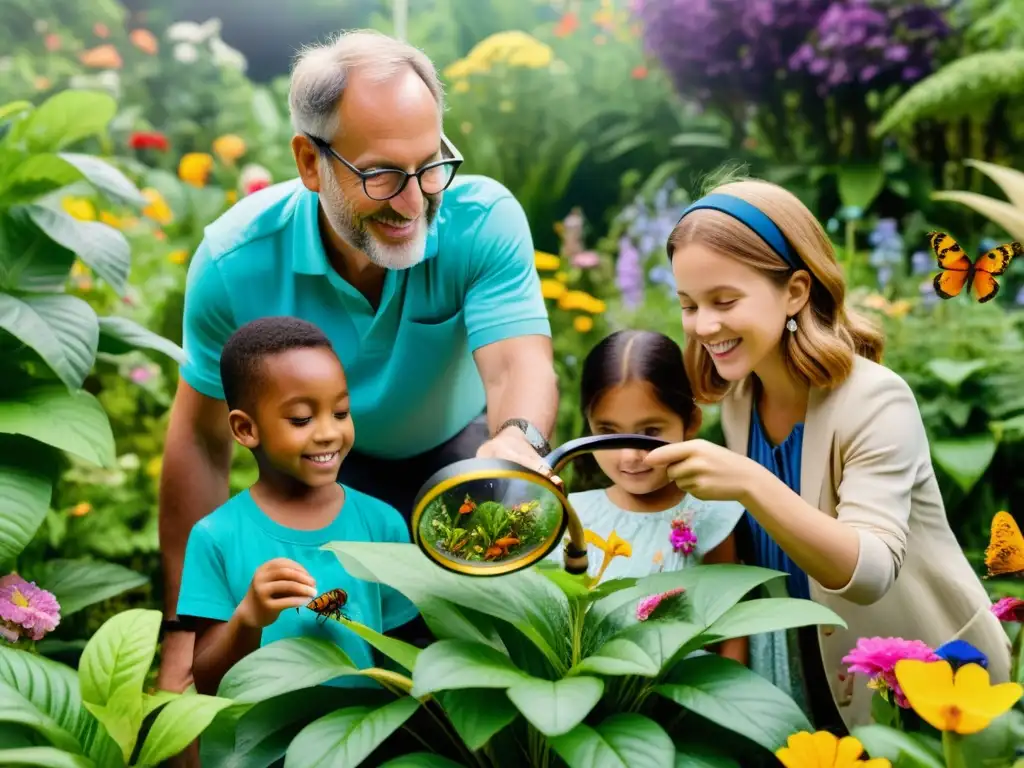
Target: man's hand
[
  {"x": 511, "y": 444},
  {"x": 278, "y": 584}
]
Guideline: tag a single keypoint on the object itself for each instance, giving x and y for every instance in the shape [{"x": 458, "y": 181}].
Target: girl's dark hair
[{"x": 632, "y": 355}]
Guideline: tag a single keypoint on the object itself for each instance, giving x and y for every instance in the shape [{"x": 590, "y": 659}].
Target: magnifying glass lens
[{"x": 499, "y": 524}]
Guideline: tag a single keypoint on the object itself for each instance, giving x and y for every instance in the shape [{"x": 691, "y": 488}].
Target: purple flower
[
  {"x": 629, "y": 273},
  {"x": 922, "y": 262},
  {"x": 682, "y": 536},
  {"x": 25, "y": 609}
]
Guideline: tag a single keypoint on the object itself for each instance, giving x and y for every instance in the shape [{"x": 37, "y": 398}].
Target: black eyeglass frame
[{"x": 455, "y": 159}]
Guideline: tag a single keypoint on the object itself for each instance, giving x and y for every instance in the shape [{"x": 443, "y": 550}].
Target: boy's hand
[{"x": 277, "y": 584}]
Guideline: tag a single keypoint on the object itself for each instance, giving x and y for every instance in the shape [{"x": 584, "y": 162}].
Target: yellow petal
[
  {"x": 979, "y": 702},
  {"x": 800, "y": 752},
  {"x": 928, "y": 686},
  {"x": 825, "y": 745},
  {"x": 848, "y": 751},
  {"x": 592, "y": 538}
]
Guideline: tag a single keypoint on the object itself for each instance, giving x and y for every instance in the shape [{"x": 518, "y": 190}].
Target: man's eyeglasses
[{"x": 386, "y": 183}]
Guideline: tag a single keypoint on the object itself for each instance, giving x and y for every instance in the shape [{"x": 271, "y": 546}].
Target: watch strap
[{"x": 533, "y": 435}]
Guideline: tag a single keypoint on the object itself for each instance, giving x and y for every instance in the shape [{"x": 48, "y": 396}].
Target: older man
[{"x": 423, "y": 280}]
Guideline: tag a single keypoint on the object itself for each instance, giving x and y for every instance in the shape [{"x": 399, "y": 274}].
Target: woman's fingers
[{"x": 670, "y": 454}]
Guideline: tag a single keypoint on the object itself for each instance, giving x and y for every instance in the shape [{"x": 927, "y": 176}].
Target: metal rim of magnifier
[{"x": 466, "y": 471}]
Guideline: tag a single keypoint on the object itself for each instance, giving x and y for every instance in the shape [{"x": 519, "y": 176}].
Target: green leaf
[
  {"x": 526, "y": 599},
  {"x": 283, "y": 666},
  {"x": 24, "y": 500},
  {"x": 953, "y": 373},
  {"x": 715, "y": 140},
  {"x": 621, "y": 741},
  {"x": 44, "y": 757},
  {"x": 661, "y": 641},
  {"x": 900, "y": 748},
  {"x": 151, "y": 702},
  {"x": 106, "y": 178},
  {"x": 67, "y": 117},
  {"x": 29, "y": 260},
  {"x": 965, "y": 459},
  {"x": 421, "y": 760},
  {"x": 733, "y": 697},
  {"x": 15, "y": 708},
  {"x": 859, "y": 185},
  {"x": 119, "y": 335},
  {"x": 477, "y": 714},
  {"x": 100, "y": 246},
  {"x": 997, "y": 211},
  {"x": 450, "y": 664},
  {"x": 14, "y": 108},
  {"x": 178, "y": 725},
  {"x": 555, "y": 707},
  {"x": 397, "y": 650},
  {"x": 702, "y": 757},
  {"x": 74, "y": 422},
  {"x": 35, "y": 176},
  {"x": 574, "y": 587},
  {"x": 622, "y": 657},
  {"x": 119, "y": 655},
  {"x": 80, "y": 583},
  {"x": 121, "y": 717},
  {"x": 769, "y": 614},
  {"x": 62, "y": 329},
  {"x": 344, "y": 739},
  {"x": 1010, "y": 180}
]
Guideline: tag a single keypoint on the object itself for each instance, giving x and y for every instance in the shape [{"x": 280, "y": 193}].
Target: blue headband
[{"x": 755, "y": 219}]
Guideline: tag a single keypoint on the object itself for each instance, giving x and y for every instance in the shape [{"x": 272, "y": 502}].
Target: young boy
[{"x": 257, "y": 558}]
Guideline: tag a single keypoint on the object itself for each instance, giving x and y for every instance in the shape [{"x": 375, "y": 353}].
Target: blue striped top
[{"x": 783, "y": 461}]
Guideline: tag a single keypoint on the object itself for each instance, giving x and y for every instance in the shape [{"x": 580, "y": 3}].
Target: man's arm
[{"x": 520, "y": 382}]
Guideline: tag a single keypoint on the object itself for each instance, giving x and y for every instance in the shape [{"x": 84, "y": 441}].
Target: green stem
[
  {"x": 951, "y": 750},
  {"x": 1015, "y": 650},
  {"x": 579, "y": 615}
]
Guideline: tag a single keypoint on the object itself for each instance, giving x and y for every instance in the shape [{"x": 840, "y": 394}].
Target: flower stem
[
  {"x": 951, "y": 750},
  {"x": 1015, "y": 651}
]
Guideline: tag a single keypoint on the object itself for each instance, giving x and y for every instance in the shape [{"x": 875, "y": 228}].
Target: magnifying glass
[{"x": 489, "y": 517}]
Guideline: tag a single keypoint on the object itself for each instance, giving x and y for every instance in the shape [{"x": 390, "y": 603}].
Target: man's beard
[{"x": 355, "y": 232}]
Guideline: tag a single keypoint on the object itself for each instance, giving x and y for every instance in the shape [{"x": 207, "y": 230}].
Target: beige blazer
[{"x": 866, "y": 461}]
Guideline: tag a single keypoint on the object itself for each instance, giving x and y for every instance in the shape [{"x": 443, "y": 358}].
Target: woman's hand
[{"x": 708, "y": 471}]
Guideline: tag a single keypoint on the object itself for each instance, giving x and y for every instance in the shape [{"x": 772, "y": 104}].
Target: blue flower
[
  {"x": 960, "y": 652},
  {"x": 922, "y": 262}
]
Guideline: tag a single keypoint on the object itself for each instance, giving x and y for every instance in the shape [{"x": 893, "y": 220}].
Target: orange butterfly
[
  {"x": 960, "y": 272},
  {"x": 1004, "y": 555}
]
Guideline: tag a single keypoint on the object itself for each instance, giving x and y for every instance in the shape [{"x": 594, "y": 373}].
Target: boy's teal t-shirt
[{"x": 227, "y": 546}]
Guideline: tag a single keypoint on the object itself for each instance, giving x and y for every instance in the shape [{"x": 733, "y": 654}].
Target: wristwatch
[{"x": 533, "y": 435}]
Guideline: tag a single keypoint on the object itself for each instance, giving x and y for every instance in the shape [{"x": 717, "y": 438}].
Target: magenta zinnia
[
  {"x": 876, "y": 658},
  {"x": 1009, "y": 609},
  {"x": 648, "y": 605},
  {"x": 25, "y": 609},
  {"x": 682, "y": 537}
]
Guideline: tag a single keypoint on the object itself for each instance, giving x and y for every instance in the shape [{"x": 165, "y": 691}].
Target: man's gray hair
[{"x": 321, "y": 73}]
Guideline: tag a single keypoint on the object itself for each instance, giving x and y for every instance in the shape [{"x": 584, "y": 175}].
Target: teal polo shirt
[{"x": 413, "y": 381}]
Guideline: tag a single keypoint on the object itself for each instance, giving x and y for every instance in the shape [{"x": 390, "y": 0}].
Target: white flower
[
  {"x": 191, "y": 32},
  {"x": 226, "y": 56},
  {"x": 186, "y": 53},
  {"x": 129, "y": 462},
  {"x": 40, "y": 26}
]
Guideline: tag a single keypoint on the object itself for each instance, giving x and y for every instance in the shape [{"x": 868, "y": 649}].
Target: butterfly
[
  {"x": 959, "y": 271},
  {"x": 1004, "y": 555},
  {"x": 329, "y": 605}
]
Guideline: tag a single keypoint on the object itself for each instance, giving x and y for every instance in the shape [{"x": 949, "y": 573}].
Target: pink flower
[
  {"x": 876, "y": 658},
  {"x": 682, "y": 538},
  {"x": 140, "y": 374},
  {"x": 648, "y": 604},
  {"x": 586, "y": 260},
  {"x": 1009, "y": 609},
  {"x": 25, "y": 609},
  {"x": 253, "y": 178}
]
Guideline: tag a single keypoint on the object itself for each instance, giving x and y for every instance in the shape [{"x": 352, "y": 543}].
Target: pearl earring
[{"x": 791, "y": 325}]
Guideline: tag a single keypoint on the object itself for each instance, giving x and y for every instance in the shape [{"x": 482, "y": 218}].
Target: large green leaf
[
  {"x": 119, "y": 335},
  {"x": 421, "y": 760},
  {"x": 622, "y": 656},
  {"x": 74, "y": 422},
  {"x": 121, "y": 717},
  {"x": 1000, "y": 212},
  {"x": 178, "y": 725},
  {"x": 29, "y": 260},
  {"x": 859, "y": 185},
  {"x": 344, "y": 739},
  {"x": 24, "y": 500},
  {"x": 16, "y": 708},
  {"x": 106, "y": 178},
  {"x": 35, "y": 176},
  {"x": 1010, "y": 180},
  {"x": 102, "y": 247},
  {"x": 43, "y": 757},
  {"x": 621, "y": 741},
  {"x": 702, "y": 757},
  {"x": 662, "y": 642},
  {"x": 283, "y": 666},
  {"x": 755, "y": 617},
  {"x": 900, "y": 748},
  {"x": 477, "y": 714},
  {"x": 953, "y": 373},
  {"x": 62, "y": 329},
  {"x": 451, "y": 664},
  {"x": 79, "y": 583},
  {"x": 526, "y": 599},
  {"x": 555, "y": 707},
  {"x": 67, "y": 117},
  {"x": 119, "y": 655},
  {"x": 397, "y": 650},
  {"x": 965, "y": 459},
  {"x": 732, "y": 696}
]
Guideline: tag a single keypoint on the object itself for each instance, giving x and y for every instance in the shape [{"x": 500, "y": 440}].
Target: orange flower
[
  {"x": 229, "y": 148},
  {"x": 145, "y": 41},
  {"x": 639, "y": 72},
  {"x": 100, "y": 30},
  {"x": 81, "y": 509},
  {"x": 568, "y": 24},
  {"x": 101, "y": 57},
  {"x": 583, "y": 324},
  {"x": 52, "y": 42},
  {"x": 158, "y": 210},
  {"x": 195, "y": 168}
]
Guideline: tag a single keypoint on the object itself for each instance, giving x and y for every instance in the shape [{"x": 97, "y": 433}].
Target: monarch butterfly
[
  {"x": 959, "y": 272},
  {"x": 1004, "y": 555},
  {"x": 329, "y": 605}
]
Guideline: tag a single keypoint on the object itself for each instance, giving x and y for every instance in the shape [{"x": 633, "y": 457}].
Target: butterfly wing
[
  {"x": 956, "y": 267},
  {"x": 994, "y": 262},
  {"x": 1004, "y": 555}
]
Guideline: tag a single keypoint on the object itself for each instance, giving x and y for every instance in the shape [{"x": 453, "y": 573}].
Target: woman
[{"x": 826, "y": 448}]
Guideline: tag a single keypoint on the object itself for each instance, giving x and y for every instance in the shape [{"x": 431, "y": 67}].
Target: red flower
[
  {"x": 149, "y": 140},
  {"x": 639, "y": 72},
  {"x": 256, "y": 185},
  {"x": 568, "y": 24}
]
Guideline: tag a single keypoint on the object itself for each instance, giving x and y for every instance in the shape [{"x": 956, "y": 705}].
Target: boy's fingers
[
  {"x": 283, "y": 603},
  {"x": 288, "y": 588},
  {"x": 289, "y": 573}
]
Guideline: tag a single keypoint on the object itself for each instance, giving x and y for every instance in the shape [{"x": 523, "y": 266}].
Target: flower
[
  {"x": 583, "y": 324},
  {"x": 629, "y": 273},
  {"x": 149, "y": 140},
  {"x": 682, "y": 537},
  {"x": 145, "y": 41},
  {"x": 586, "y": 260},
  {"x": 960, "y": 652},
  {"x": 186, "y": 53},
  {"x": 1009, "y": 609},
  {"x": 825, "y": 750},
  {"x": 79, "y": 208},
  {"x": 140, "y": 374},
  {"x": 81, "y": 509},
  {"x": 613, "y": 547},
  {"x": 52, "y": 42},
  {"x": 580, "y": 300},
  {"x": 648, "y": 605},
  {"x": 25, "y": 609},
  {"x": 158, "y": 210},
  {"x": 179, "y": 256},
  {"x": 101, "y": 57},
  {"x": 568, "y": 24},
  {"x": 101, "y": 30},
  {"x": 639, "y": 72},
  {"x": 228, "y": 148},
  {"x": 876, "y": 657},
  {"x": 195, "y": 168},
  {"x": 546, "y": 262},
  {"x": 552, "y": 289},
  {"x": 253, "y": 178},
  {"x": 964, "y": 702}
]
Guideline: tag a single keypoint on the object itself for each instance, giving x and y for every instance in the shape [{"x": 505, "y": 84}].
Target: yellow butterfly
[{"x": 1004, "y": 555}]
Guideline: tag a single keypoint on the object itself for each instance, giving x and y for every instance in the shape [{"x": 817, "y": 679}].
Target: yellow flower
[
  {"x": 80, "y": 509},
  {"x": 875, "y": 301},
  {"x": 899, "y": 308},
  {"x": 612, "y": 548},
  {"x": 551, "y": 289},
  {"x": 231, "y": 196},
  {"x": 78, "y": 269},
  {"x": 582, "y": 324},
  {"x": 514, "y": 48},
  {"x": 195, "y": 168},
  {"x": 546, "y": 262},
  {"x": 229, "y": 148},
  {"x": 158, "y": 210},
  {"x": 965, "y": 703},
  {"x": 463, "y": 68},
  {"x": 461, "y": 86},
  {"x": 153, "y": 466},
  {"x": 111, "y": 220},
  {"x": 179, "y": 256},
  {"x": 79, "y": 208},
  {"x": 562, "y": 277},
  {"x": 580, "y": 300},
  {"x": 825, "y": 750}
]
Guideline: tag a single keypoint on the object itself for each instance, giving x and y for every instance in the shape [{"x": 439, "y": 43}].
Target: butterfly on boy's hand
[
  {"x": 958, "y": 271},
  {"x": 1004, "y": 555}
]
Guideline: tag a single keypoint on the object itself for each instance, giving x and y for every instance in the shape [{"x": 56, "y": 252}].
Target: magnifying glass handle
[{"x": 566, "y": 452}]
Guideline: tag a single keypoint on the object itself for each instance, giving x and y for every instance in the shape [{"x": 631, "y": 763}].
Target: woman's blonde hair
[{"x": 828, "y": 335}]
